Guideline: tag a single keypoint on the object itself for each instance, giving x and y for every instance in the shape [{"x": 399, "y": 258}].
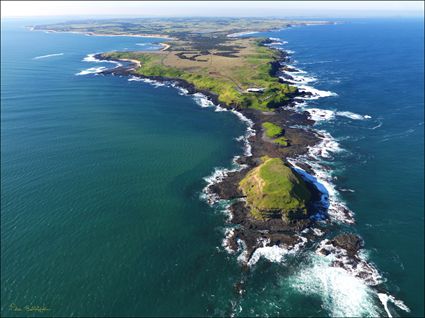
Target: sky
[{"x": 313, "y": 9}]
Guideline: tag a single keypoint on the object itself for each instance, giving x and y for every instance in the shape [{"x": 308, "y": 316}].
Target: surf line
[{"x": 46, "y": 56}]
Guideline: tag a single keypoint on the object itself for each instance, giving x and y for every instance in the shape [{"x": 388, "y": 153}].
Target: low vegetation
[
  {"x": 272, "y": 130},
  {"x": 275, "y": 133},
  {"x": 227, "y": 76},
  {"x": 273, "y": 190},
  {"x": 282, "y": 141},
  {"x": 204, "y": 52}
]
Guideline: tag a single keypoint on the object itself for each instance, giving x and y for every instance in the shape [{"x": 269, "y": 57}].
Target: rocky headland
[{"x": 263, "y": 212}]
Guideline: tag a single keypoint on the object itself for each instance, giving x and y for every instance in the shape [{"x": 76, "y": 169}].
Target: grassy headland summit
[{"x": 209, "y": 56}]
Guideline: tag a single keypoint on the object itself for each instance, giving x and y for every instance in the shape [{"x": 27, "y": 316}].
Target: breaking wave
[
  {"x": 91, "y": 58},
  {"x": 46, "y": 56},
  {"x": 92, "y": 70},
  {"x": 342, "y": 294},
  {"x": 274, "y": 253},
  {"x": 147, "y": 81},
  {"x": 318, "y": 114},
  {"x": 387, "y": 299},
  {"x": 95, "y": 70}
]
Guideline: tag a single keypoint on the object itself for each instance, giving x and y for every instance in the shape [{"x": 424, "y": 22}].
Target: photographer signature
[{"x": 27, "y": 308}]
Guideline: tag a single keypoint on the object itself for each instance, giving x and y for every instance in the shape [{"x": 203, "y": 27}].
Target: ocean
[{"x": 102, "y": 204}]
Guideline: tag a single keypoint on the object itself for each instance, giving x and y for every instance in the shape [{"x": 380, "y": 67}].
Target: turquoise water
[{"x": 101, "y": 178}]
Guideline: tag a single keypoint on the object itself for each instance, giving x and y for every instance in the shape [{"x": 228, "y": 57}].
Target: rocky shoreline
[{"x": 248, "y": 234}]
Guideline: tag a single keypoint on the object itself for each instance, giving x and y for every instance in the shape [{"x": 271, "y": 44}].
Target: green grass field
[{"x": 227, "y": 77}]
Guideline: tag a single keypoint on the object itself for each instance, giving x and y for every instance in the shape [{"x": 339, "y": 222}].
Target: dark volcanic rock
[
  {"x": 228, "y": 189},
  {"x": 350, "y": 242}
]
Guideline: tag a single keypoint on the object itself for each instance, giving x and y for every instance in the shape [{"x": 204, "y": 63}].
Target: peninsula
[{"x": 270, "y": 202}]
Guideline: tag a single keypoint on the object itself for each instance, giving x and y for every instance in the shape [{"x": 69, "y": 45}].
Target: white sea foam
[
  {"x": 297, "y": 78},
  {"x": 315, "y": 93},
  {"x": 357, "y": 278},
  {"x": 243, "y": 256},
  {"x": 92, "y": 70},
  {"x": 380, "y": 123},
  {"x": 136, "y": 79},
  {"x": 218, "y": 108},
  {"x": 272, "y": 253},
  {"x": 326, "y": 147},
  {"x": 147, "y": 81},
  {"x": 202, "y": 100},
  {"x": 275, "y": 253},
  {"x": 220, "y": 173},
  {"x": 352, "y": 115},
  {"x": 95, "y": 70},
  {"x": 250, "y": 131},
  {"x": 358, "y": 266},
  {"x": 386, "y": 299},
  {"x": 217, "y": 176},
  {"x": 322, "y": 177},
  {"x": 235, "y": 35},
  {"x": 182, "y": 91},
  {"x": 228, "y": 234},
  {"x": 278, "y": 40},
  {"x": 276, "y": 43},
  {"x": 92, "y": 59},
  {"x": 346, "y": 190},
  {"x": 318, "y": 114},
  {"x": 342, "y": 294},
  {"x": 300, "y": 81},
  {"x": 318, "y": 232},
  {"x": 46, "y": 56}
]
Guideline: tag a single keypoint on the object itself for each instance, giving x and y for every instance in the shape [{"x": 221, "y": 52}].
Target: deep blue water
[
  {"x": 100, "y": 180},
  {"x": 377, "y": 68}
]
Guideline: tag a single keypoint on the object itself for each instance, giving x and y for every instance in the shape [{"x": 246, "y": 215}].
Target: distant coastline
[{"x": 87, "y": 33}]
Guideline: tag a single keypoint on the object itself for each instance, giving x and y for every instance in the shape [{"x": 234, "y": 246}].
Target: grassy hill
[{"x": 273, "y": 190}]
